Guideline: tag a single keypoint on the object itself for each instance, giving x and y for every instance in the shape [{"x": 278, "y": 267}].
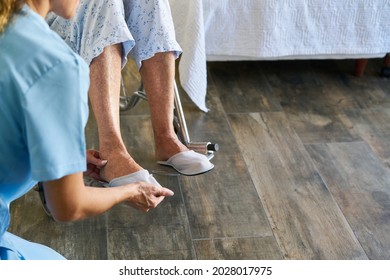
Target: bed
[{"x": 227, "y": 30}]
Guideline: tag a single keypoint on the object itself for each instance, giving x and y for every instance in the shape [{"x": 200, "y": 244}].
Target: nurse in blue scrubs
[{"x": 43, "y": 113}]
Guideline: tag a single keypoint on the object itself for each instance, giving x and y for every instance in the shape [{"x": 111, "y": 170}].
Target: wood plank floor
[{"x": 303, "y": 172}]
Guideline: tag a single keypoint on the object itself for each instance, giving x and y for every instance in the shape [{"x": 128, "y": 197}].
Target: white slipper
[
  {"x": 189, "y": 163},
  {"x": 139, "y": 176}
]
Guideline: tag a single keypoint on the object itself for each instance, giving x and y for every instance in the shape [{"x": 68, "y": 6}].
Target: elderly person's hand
[{"x": 94, "y": 164}]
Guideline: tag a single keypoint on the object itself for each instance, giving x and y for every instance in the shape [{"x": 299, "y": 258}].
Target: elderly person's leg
[
  {"x": 158, "y": 74},
  {"x": 155, "y": 51},
  {"x": 105, "y": 74},
  {"x": 158, "y": 77}
]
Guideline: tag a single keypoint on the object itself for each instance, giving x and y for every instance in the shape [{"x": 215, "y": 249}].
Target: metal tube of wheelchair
[
  {"x": 180, "y": 116},
  {"x": 203, "y": 147}
]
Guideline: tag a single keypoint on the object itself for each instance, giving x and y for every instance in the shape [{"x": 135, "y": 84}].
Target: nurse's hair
[{"x": 7, "y": 9}]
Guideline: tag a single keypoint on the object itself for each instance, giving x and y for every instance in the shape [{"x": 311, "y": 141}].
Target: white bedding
[
  {"x": 275, "y": 29},
  {"x": 188, "y": 21}
]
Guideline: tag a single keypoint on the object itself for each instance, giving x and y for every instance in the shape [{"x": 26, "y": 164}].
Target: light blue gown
[
  {"x": 144, "y": 27},
  {"x": 43, "y": 113}
]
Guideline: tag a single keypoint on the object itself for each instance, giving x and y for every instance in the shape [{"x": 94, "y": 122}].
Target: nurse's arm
[{"x": 68, "y": 199}]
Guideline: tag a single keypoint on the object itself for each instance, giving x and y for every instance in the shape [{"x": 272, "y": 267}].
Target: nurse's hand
[
  {"x": 145, "y": 196},
  {"x": 94, "y": 164}
]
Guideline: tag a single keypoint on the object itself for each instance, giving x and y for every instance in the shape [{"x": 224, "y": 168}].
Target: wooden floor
[{"x": 303, "y": 172}]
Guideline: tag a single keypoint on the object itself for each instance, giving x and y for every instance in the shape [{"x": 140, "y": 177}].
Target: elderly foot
[
  {"x": 119, "y": 163},
  {"x": 168, "y": 146}
]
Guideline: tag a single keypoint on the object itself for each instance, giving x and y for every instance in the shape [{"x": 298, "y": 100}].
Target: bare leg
[
  {"x": 158, "y": 74},
  {"x": 105, "y": 75}
]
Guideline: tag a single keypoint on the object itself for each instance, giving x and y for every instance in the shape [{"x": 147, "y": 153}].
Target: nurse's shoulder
[{"x": 31, "y": 49}]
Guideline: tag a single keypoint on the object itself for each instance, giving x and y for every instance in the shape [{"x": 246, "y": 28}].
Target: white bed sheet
[
  {"x": 188, "y": 20},
  {"x": 275, "y": 29}
]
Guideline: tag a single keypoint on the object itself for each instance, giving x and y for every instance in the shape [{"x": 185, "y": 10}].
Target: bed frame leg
[
  {"x": 385, "y": 72},
  {"x": 360, "y": 66}
]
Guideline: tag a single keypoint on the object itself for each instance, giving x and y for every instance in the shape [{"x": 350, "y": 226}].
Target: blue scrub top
[{"x": 43, "y": 113}]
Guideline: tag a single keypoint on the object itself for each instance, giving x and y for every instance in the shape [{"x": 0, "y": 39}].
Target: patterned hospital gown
[{"x": 144, "y": 27}]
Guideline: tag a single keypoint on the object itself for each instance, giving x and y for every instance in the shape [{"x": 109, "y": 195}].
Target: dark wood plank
[
  {"x": 310, "y": 101},
  {"x": 305, "y": 219},
  {"x": 360, "y": 184},
  {"x": 222, "y": 203},
  {"x": 351, "y": 92},
  {"x": 161, "y": 234},
  {"x": 242, "y": 87},
  {"x": 83, "y": 240},
  {"x": 257, "y": 248},
  {"x": 373, "y": 125}
]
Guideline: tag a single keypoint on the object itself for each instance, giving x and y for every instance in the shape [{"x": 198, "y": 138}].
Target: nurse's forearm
[{"x": 69, "y": 200}]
